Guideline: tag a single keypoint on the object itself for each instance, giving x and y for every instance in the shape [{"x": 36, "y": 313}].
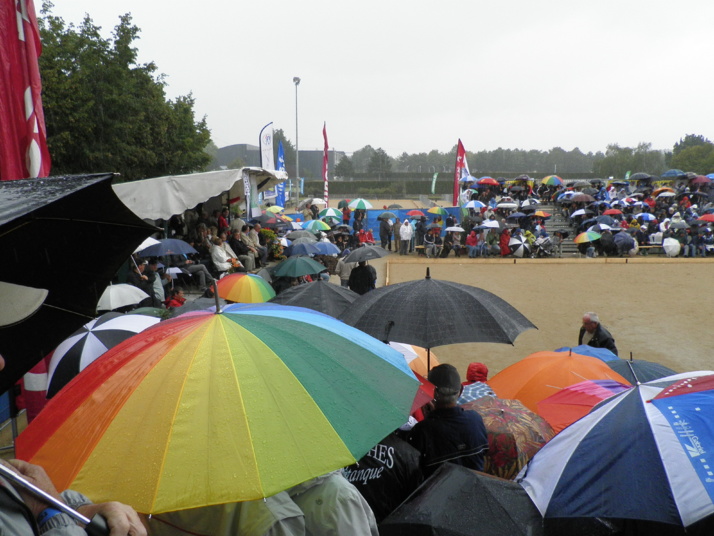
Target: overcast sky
[{"x": 416, "y": 76}]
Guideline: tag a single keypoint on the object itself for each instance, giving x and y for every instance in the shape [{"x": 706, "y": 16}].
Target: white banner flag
[{"x": 267, "y": 160}]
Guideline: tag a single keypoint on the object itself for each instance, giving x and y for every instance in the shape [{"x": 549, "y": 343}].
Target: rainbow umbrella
[
  {"x": 245, "y": 288},
  {"x": 315, "y": 225},
  {"x": 217, "y": 408},
  {"x": 552, "y": 180},
  {"x": 587, "y": 236},
  {"x": 438, "y": 210},
  {"x": 360, "y": 203}
]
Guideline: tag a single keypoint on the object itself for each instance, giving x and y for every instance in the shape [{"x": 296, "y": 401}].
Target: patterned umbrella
[
  {"x": 330, "y": 213},
  {"x": 360, "y": 203},
  {"x": 552, "y": 180},
  {"x": 474, "y": 391},
  {"x": 519, "y": 246},
  {"x": 515, "y": 434},
  {"x": 438, "y": 210},
  {"x": 245, "y": 288},
  {"x": 587, "y": 236},
  {"x": 217, "y": 408},
  {"x": 85, "y": 345},
  {"x": 474, "y": 204},
  {"x": 315, "y": 225}
]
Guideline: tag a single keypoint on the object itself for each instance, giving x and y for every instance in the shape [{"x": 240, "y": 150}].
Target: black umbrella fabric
[
  {"x": 366, "y": 253},
  {"x": 639, "y": 371},
  {"x": 429, "y": 313},
  {"x": 456, "y": 501},
  {"x": 319, "y": 296},
  {"x": 43, "y": 224}
]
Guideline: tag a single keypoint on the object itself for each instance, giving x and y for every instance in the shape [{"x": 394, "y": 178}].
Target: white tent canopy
[{"x": 163, "y": 197}]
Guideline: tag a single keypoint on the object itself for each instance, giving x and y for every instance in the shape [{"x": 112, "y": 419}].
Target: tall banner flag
[
  {"x": 433, "y": 183},
  {"x": 267, "y": 161},
  {"x": 23, "y": 138},
  {"x": 280, "y": 188},
  {"x": 461, "y": 170},
  {"x": 325, "y": 161}
]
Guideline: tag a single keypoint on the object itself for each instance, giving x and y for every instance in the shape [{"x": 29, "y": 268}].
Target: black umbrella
[
  {"x": 366, "y": 253},
  {"x": 320, "y": 296},
  {"x": 638, "y": 370},
  {"x": 429, "y": 313},
  {"x": 456, "y": 501},
  {"x": 42, "y": 223},
  {"x": 640, "y": 176}
]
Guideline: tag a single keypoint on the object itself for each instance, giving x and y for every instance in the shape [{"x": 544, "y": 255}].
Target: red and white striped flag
[
  {"x": 23, "y": 139},
  {"x": 325, "y": 162},
  {"x": 461, "y": 169}
]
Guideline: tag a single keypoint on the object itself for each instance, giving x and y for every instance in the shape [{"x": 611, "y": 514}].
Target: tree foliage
[
  {"x": 619, "y": 160},
  {"x": 689, "y": 141},
  {"x": 105, "y": 112},
  {"x": 361, "y": 158},
  {"x": 696, "y": 158},
  {"x": 344, "y": 168},
  {"x": 380, "y": 163}
]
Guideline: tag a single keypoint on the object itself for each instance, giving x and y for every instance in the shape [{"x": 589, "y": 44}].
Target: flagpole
[{"x": 296, "y": 81}]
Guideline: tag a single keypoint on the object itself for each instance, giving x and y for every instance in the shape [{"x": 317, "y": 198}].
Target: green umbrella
[
  {"x": 360, "y": 204},
  {"x": 297, "y": 266}
]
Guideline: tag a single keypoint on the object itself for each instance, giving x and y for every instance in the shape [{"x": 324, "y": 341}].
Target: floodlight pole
[{"x": 296, "y": 81}]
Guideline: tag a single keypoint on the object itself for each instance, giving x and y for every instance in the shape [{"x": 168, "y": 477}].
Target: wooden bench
[{"x": 653, "y": 247}]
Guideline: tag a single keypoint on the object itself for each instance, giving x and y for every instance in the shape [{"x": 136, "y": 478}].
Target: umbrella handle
[{"x": 97, "y": 526}]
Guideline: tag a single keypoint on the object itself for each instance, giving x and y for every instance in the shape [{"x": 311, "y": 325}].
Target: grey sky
[{"x": 416, "y": 76}]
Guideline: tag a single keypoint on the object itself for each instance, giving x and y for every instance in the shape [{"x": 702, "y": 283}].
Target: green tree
[
  {"x": 690, "y": 140},
  {"x": 697, "y": 158},
  {"x": 380, "y": 163},
  {"x": 344, "y": 168},
  {"x": 105, "y": 112},
  {"x": 619, "y": 160},
  {"x": 361, "y": 158}
]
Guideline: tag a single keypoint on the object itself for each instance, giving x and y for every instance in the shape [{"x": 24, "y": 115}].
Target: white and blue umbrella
[
  {"x": 474, "y": 204},
  {"x": 640, "y": 455}
]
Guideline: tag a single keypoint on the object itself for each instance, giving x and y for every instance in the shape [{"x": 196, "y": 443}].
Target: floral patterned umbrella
[{"x": 515, "y": 434}]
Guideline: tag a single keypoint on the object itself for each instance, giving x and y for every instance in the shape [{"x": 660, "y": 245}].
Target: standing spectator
[
  {"x": 346, "y": 213},
  {"x": 363, "y": 278},
  {"x": 421, "y": 231},
  {"x": 384, "y": 231},
  {"x": 405, "y": 235},
  {"x": 397, "y": 235},
  {"x": 344, "y": 269},
  {"x": 223, "y": 223}
]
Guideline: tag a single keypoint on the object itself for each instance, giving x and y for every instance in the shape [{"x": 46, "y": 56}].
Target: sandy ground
[{"x": 656, "y": 308}]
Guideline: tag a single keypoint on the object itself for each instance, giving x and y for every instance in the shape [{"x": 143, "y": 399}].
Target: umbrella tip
[{"x": 428, "y": 276}]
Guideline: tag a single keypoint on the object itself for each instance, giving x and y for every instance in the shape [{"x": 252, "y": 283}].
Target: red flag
[
  {"x": 23, "y": 139},
  {"x": 461, "y": 170},
  {"x": 325, "y": 161}
]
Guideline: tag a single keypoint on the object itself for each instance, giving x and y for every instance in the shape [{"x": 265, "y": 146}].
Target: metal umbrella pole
[{"x": 97, "y": 526}]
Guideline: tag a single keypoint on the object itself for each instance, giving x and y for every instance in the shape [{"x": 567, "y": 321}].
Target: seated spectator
[
  {"x": 449, "y": 433},
  {"x": 386, "y": 475},
  {"x": 224, "y": 263},
  {"x": 244, "y": 253},
  {"x": 429, "y": 247},
  {"x": 176, "y": 298},
  {"x": 142, "y": 281}
]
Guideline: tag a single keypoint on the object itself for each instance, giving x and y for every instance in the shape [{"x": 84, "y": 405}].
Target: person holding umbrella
[
  {"x": 449, "y": 433},
  {"x": 594, "y": 334},
  {"x": 363, "y": 278}
]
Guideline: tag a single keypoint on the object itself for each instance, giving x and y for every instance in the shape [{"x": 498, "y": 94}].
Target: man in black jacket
[{"x": 593, "y": 334}]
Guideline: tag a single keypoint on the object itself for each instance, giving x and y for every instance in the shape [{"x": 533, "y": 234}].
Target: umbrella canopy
[
  {"x": 360, "y": 203},
  {"x": 190, "y": 415},
  {"x": 519, "y": 246},
  {"x": 646, "y": 216},
  {"x": 167, "y": 246},
  {"x": 456, "y": 501},
  {"x": 294, "y": 235},
  {"x": 146, "y": 243},
  {"x": 552, "y": 180},
  {"x": 666, "y": 194},
  {"x": 507, "y": 205},
  {"x": 639, "y": 371},
  {"x": 394, "y": 206},
  {"x": 30, "y": 208},
  {"x": 431, "y": 313},
  {"x": 305, "y": 239},
  {"x": 319, "y": 295},
  {"x": 474, "y": 204},
  {"x": 245, "y": 288},
  {"x": 121, "y": 295},
  {"x": 331, "y": 213},
  {"x": 612, "y": 212},
  {"x": 542, "y": 214},
  {"x": 515, "y": 434},
  {"x": 542, "y": 374},
  {"x": 575, "y": 401},
  {"x": 455, "y": 229},
  {"x": 438, "y": 210},
  {"x": 417, "y": 357},
  {"x": 275, "y": 209},
  {"x": 587, "y": 236},
  {"x": 603, "y": 354},
  {"x": 674, "y": 173},
  {"x": 474, "y": 391},
  {"x": 415, "y": 213},
  {"x": 581, "y": 212},
  {"x": 89, "y": 342},
  {"x": 582, "y": 198},
  {"x": 386, "y": 216},
  {"x": 365, "y": 253},
  {"x": 327, "y": 248},
  {"x": 315, "y": 225},
  {"x": 671, "y": 247},
  {"x": 307, "y": 247},
  {"x": 297, "y": 266},
  {"x": 343, "y": 203},
  {"x": 638, "y": 455},
  {"x": 488, "y": 181}
]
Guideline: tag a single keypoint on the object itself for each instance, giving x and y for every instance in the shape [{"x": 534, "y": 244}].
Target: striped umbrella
[
  {"x": 587, "y": 236},
  {"x": 360, "y": 203},
  {"x": 220, "y": 408},
  {"x": 315, "y": 225},
  {"x": 245, "y": 288},
  {"x": 438, "y": 210},
  {"x": 330, "y": 213},
  {"x": 552, "y": 180}
]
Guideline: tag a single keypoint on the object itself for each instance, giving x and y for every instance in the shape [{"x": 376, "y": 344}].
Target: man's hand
[
  {"x": 121, "y": 519},
  {"x": 35, "y": 475}
]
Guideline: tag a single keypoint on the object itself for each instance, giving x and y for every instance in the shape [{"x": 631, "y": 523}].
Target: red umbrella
[
  {"x": 415, "y": 213},
  {"x": 706, "y": 217},
  {"x": 488, "y": 181},
  {"x": 612, "y": 212}
]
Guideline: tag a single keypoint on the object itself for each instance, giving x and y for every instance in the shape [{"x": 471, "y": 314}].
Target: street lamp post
[{"x": 296, "y": 81}]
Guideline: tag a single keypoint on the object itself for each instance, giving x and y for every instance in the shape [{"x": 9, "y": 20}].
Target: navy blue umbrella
[{"x": 167, "y": 246}]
